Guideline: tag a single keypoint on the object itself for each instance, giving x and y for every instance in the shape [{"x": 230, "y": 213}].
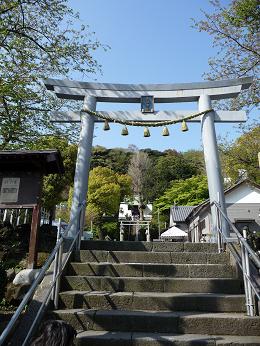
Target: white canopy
[{"x": 174, "y": 232}]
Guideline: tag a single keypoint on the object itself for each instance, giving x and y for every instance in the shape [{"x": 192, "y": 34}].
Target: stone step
[
  {"x": 101, "y": 338},
  {"x": 151, "y": 284},
  {"x": 152, "y": 301},
  {"x": 152, "y": 270},
  {"x": 147, "y": 246},
  {"x": 161, "y": 322},
  {"x": 166, "y": 257}
]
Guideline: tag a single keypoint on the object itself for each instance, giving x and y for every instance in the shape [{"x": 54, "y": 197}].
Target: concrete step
[
  {"x": 151, "y": 270},
  {"x": 161, "y": 322},
  {"x": 166, "y": 257},
  {"x": 207, "y": 302},
  {"x": 151, "y": 284},
  {"x": 147, "y": 246},
  {"x": 101, "y": 338}
]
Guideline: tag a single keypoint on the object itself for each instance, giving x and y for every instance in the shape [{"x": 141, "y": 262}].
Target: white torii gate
[{"x": 203, "y": 93}]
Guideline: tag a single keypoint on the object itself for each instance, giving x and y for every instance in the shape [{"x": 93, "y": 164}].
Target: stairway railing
[
  {"x": 246, "y": 259},
  {"x": 59, "y": 264}
]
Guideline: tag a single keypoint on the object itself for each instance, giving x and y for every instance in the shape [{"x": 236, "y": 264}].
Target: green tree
[
  {"x": 170, "y": 167},
  {"x": 191, "y": 191},
  {"x": 38, "y": 39},
  {"x": 235, "y": 31},
  {"x": 99, "y": 157},
  {"x": 105, "y": 191},
  {"x": 196, "y": 158},
  {"x": 241, "y": 156},
  {"x": 56, "y": 186},
  {"x": 117, "y": 159}
]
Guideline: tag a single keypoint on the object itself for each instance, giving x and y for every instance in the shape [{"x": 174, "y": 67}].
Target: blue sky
[{"x": 151, "y": 42}]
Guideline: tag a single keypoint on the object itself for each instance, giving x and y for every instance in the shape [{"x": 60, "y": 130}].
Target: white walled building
[{"x": 243, "y": 209}]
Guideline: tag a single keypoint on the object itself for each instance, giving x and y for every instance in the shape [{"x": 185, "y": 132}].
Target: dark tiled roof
[
  {"x": 206, "y": 203},
  {"x": 45, "y": 161},
  {"x": 180, "y": 213}
]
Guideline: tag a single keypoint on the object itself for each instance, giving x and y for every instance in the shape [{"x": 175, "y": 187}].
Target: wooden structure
[{"x": 21, "y": 178}]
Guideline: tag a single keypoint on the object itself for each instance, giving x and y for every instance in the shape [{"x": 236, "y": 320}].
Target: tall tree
[
  {"x": 235, "y": 32},
  {"x": 138, "y": 169},
  {"x": 37, "y": 39}
]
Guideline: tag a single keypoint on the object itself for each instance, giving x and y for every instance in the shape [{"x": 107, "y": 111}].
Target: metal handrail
[
  {"x": 36, "y": 282},
  {"x": 240, "y": 237},
  {"x": 247, "y": 255}
]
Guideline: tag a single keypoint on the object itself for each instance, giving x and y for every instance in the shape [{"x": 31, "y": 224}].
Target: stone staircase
[{"x": 138, "y": 293}]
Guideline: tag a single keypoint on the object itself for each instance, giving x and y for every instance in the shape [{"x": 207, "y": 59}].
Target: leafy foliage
[
  {"x": 111, "y": 229},
  {"x": 116, "y": 159},
  {"x": 170, "y": 167},
  {"x": 235, "y": 32},
  {"x": 196, "y": 159},
  {"x": 191, "y": 191},
  {"x": 56, "y": 186},
  {"x": 2, "y": 281},
  {"x": 105, "y": 191},
  {"x": 241, "y": 155},
  {"x": 37, "y": 39}
]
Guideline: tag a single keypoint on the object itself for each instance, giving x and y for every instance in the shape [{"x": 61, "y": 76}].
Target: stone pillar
[
  {"x": 121, "y": 231},
  {"x": 148, "y": 236},
  {"x": 137, "y": 231},
  {"x": 213, "y": 169},
  {"x": 83, "y": 160}
]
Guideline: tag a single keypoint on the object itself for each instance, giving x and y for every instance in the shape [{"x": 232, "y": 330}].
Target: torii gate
[{"x": 203, "y": 93}]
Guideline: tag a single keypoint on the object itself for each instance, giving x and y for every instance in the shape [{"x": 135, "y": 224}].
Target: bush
[
  {"x": 3, "y": 280},
  {"x": 111, "y": 229}
]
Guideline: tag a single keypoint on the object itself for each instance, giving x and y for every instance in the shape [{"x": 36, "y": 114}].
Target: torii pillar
[
  {"x": 83, "y": 163},
  {"x": 212, "y": 162}
]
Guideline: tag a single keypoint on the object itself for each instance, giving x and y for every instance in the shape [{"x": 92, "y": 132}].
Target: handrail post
[
  {"x": 250, "y": 301},
  {"x": 58, "y": 263},
  {"x": 244, "y": 276},
  {"x": 219, "y": 237},
  {"x": 80, "y": 225},
  {"x": 55, "y": 268}
]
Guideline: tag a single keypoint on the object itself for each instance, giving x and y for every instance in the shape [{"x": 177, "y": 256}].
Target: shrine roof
[{"x": 45, "y": 161}]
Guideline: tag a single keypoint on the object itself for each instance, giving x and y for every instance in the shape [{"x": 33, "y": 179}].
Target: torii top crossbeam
[
  {"x": 131, "y": 93},
  {"x": 163, "y": 93}
]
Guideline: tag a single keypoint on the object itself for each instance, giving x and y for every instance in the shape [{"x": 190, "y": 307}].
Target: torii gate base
[{"x": 204, "y": 92}]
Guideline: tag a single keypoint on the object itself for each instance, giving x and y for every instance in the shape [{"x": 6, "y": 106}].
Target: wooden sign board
[
  {"x": 147, "y": 104},
  {"x": 19, "y": 189}
]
